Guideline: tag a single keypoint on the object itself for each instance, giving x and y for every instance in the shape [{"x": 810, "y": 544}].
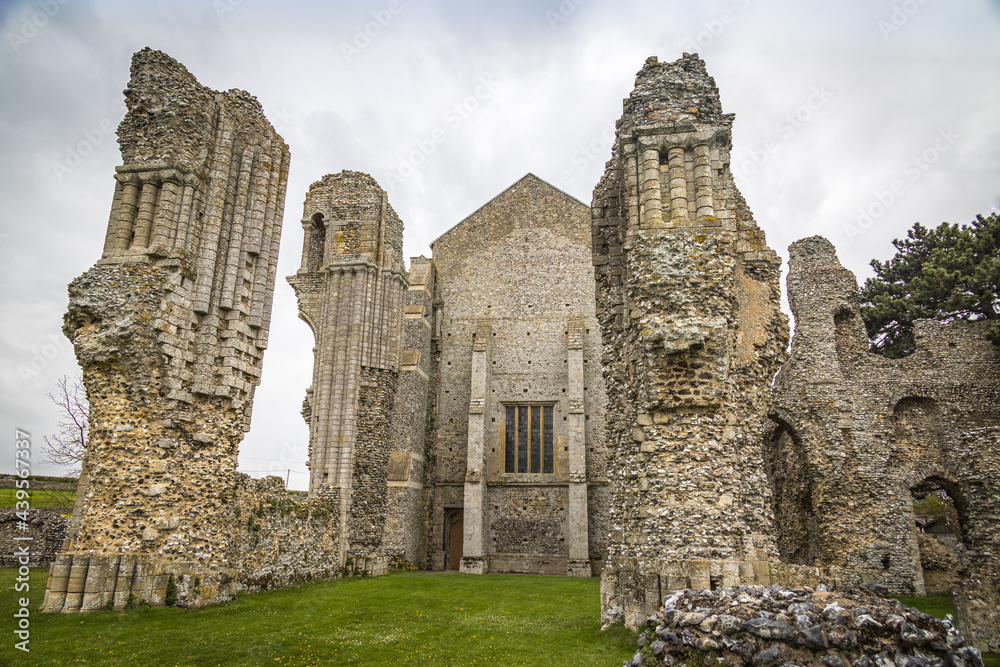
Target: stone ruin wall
[
  {"x": 46, "y": 529},
  {"x": 852, "y": 432},
  {"x": 351, "y": 290},
  {"x": 279, "y": 539},
  {"x": 688, "y": 302},
  {"x": 170, "y": 329},
  {"x": 405, "y": 519}
]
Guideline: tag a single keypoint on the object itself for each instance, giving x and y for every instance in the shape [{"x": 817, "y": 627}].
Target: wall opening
[
  {"x": 317, "y": 242},
  {"x": 453, "y": 539},
  {"x": 792, "y": 498},
  {"x": 939, "y": 534}
]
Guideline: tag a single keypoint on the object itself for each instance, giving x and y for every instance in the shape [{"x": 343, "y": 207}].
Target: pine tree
[{"x": 947, "y": 273}]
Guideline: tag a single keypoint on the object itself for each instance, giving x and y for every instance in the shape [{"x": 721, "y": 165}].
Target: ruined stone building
[
  {"x": 493, "y": 460},
  {"x": 350, "y": 290},
  {"x": 689, "y": 309},
  {"x": 170, "y": 328},
  {"x": 558, "y": 389},
  {"x": 852, "y": 432}
]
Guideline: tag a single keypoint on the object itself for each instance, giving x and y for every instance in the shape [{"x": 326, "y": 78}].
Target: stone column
[
  {"x": 579, "y": 547},
  {"x": 678, "y": 183},
  {"x": 144, "y": 220},
  {"x": 649, "y": 197},
  {"x": 632, "y": 184},
  {"x": 703, "y": 182},
  {"x": 474, "y": 560}
]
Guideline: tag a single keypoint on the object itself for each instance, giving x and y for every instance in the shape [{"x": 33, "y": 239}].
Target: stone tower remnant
[
  {"x": 170, "y": 328},
  {"x": 350, "y": 290},
  {"x": 688, "y": 302},
  {"x": 852, "y": 432}
]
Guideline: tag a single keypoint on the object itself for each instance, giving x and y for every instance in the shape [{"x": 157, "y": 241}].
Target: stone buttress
[
  {"x": 409, "y": 423},
  {"x": 852, "y": 432},
  {"x": 170, "y": 328},
  {"x": 351, "y": 291},
  {"x": 688, "y": 302}
]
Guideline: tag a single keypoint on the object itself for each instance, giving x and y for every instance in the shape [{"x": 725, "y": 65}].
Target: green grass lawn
[
  {"x": 939, "y": 605},
  {"x": 403, "y": 618},
  {"x": 39, "y": 497}
]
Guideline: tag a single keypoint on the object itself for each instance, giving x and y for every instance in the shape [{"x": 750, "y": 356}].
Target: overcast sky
[{"x": 854, "y": 119}]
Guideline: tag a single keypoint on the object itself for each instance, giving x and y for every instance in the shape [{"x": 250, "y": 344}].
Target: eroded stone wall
[
  {"x": 278, "y": 539},
  {"x": 688, "y": 304},
  {"x": 169, "y": 329},
  {"x": 852, "y": 432},
  {"x": 351, "y": 291},
  {"x": 45, "y": 529},
  {"x": 406, "y": 518}
]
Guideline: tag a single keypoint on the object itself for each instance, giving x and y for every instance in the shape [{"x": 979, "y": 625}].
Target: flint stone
[{"x": 768, "y": 629}]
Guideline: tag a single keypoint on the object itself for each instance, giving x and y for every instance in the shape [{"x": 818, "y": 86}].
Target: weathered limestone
[
  {"x": 170, "y": 328},
  {"x": 405, "y": 526},
  {"x": 852, "y": 432},
  {"x": 515, "y": 455},
  {"x": 351, "y": 293},
  {"x": 688, "y": 303}
]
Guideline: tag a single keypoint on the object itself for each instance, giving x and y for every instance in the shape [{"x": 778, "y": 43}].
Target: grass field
[
  {"x": 403, "y": 618},
  {"x": 39, "y": 497}
]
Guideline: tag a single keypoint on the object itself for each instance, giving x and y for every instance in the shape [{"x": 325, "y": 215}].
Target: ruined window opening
[
  {"x": 528, "y": 439},
  {"x": 317, "y": 242},
  {"x": 937, "y": 513}
]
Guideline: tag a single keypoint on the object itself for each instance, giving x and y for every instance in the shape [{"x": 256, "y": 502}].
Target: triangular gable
[{"x": 527, "y": 176}]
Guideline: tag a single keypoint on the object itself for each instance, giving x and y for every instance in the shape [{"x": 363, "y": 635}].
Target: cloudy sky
[{"x": 855, "y": 119}]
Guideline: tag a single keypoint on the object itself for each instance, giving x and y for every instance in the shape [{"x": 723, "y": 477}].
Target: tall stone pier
[
  {"x": 169, "y": 329},
  {"x": 688, "y": 302},
  {"x": 351, "y": 290}
]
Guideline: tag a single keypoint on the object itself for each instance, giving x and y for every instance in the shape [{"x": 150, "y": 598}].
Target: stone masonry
[
  {"x": 170, "y": 329},
  {"x": 851, "y": 432},
  {"x": 351, "y": 291},
  {"x": 516, "y": 455},
  {"x": 405, "y": 526},
  {"x": 688, "y": 304}
]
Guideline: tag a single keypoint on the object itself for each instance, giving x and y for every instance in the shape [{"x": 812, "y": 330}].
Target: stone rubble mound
[{"x": 788, "y": 627}]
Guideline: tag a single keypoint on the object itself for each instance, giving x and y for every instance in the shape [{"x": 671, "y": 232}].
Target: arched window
[{"x": 317, "y": 242}]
